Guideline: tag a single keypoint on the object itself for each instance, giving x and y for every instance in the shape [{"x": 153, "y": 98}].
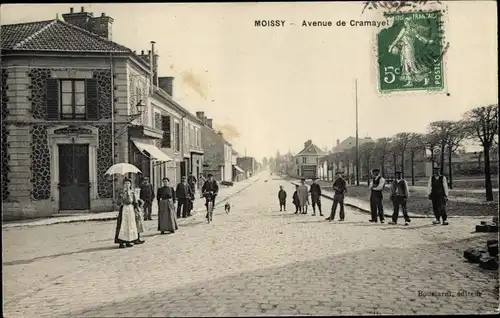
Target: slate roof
[
  {"x": 54, "y": 36},
  {"x": 312, "y": 149}
]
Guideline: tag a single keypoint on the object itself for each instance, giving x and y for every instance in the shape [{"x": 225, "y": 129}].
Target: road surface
[{"x": 254, "y": 261}]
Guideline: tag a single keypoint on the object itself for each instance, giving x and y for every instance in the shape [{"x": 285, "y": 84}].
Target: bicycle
[{"x": 210, "y": 206}]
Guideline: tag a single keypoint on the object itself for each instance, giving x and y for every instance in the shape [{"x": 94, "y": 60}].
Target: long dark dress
[{"x": 167, "y": 220}]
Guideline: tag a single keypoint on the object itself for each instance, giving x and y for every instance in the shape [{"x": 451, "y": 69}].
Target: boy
[
  {"x": 296, "y": 201},
  {"x": 282, "y": 198}
]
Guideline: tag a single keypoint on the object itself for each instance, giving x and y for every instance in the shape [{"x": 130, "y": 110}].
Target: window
[
  {"x": 177, "y": 133},
  {"x": 297, "y": 160},
  {"x": 73, "y": 101},
  {"x": 304, "y": 159},
  {"x": 199, "y": 138},
  {"x": 166, "y": 141},
  {"x": 191, "y": 136}
]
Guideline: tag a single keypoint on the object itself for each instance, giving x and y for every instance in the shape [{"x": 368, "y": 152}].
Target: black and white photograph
[{"x": 191, "y": 159}]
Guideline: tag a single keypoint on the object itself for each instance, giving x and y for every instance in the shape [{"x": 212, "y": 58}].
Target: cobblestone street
[{"x": 254, "y": 261}]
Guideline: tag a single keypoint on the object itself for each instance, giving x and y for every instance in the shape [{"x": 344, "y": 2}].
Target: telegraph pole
[{"x": 357, "y": 141}]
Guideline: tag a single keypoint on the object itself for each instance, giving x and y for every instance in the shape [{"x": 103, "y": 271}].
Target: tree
[
  {"x": 482, "y": 125},
  {"x": 402, "y": 141},
  {"x": 417, "y": 143},
  {"x": 272, "y": 163},
  {"x": 442, "y": 129},
  {"x": 431, "y": 141},
  {"x": 366, "y": 152},
  {"x": 457, "y": 134},
  {"x": 381, "y": 151},
  {"x": 265, "y": 164}
]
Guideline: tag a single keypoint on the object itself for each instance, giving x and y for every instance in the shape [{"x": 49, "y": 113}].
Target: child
[
  {"x": 296, "y": 200},
  {"x": 282, "y": 198}
]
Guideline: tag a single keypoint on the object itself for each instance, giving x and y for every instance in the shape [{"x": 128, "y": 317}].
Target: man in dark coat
[
  {"x": 210, "y": 190},
  {"x": 147, "y": 194},
  {"x": 315, "y": 191},
  {"x": 183, "y": 194},
  {"x": 376, "y": 197},
  {"x": 282, "y": 198},
  {"x": 192, "y": 183},
  {"x": 399, "y": 196},
  {"x": 437, "y": 191},
  {"x": 339, "y": 190}
]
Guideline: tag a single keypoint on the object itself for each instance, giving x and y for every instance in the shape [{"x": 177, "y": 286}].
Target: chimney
[
  {"x": 101, "y": 26},
  {"x": 200, "y": 115},
  {"x": 338, "y": 142},
  {"x": 79, "y": 19},
  {"x": 152, "y": 62},
  {"x": 209, "y": 122},
  {"x": 307, "y": 143},
  {"x": 166, "y": 83}
]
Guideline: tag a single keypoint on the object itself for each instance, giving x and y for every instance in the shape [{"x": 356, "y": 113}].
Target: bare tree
[
  {"x": 402, "y": 141},
  {"x": 442, "y": 129},
  {"x": 381, "y": 151},
  {"x": 366, "y": 153},
  {"x": 431, "y": 142},
  {"x": 457, "y": 133},
  {"x": 416, "y": 144},
  {"x": 482, "y": 124}
]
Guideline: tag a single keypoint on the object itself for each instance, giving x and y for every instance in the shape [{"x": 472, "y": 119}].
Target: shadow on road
[{"x": 87, "y": 250}]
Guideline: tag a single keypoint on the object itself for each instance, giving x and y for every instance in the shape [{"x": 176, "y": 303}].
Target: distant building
[
  {"x": 238, "y": 172},
  {"x": 248, "y": 164},
  {"x": 307, "y": 161},
  {"x": 217, "y": 151}
]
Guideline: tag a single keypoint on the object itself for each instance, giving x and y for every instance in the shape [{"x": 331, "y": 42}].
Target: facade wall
[
  {"x": 213, "y": 148},
  {"x": 228, "y": 163},
  {"x": 248, "y": 164},
  {"x": 32, "y": 170}
]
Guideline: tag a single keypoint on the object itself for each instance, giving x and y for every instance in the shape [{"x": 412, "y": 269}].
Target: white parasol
[{"x": 122, "y": 168}]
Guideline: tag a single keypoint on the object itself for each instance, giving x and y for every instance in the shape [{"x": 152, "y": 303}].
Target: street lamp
[{"x": 140, "y": 109}]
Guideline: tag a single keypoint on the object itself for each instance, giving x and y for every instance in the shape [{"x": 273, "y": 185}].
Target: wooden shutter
[
  {"x": 52, "y": 99},
  {"x": 92, "y": 99},
  {"x": 165, "y": 126}
]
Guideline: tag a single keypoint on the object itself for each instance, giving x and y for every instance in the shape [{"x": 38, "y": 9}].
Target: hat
[
  {"x": 209, "y": 175},
  {"x": 302, "y": 179},
  {"x": 127, "y": 180},
  {"x": 165, "y": 179},
  {"x": 398, "y": 172},
  {"x": 376, "y": 170},
  {"x": 436, "y": 168},
  {"x": 338, "y": 172}
]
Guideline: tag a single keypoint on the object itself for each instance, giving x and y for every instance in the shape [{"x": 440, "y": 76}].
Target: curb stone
[
  {"x": 387, "y": 215},
  {"x": 114, "y": 217}
]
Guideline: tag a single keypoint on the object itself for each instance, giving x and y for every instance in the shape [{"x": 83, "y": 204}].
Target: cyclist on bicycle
[{"x": 210, "y": 190}]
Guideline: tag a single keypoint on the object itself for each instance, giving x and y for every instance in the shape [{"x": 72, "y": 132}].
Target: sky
[{"x": 271, "y": 89}]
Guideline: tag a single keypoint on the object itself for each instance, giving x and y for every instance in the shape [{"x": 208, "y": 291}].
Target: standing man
[
  {"x": 437, "y": 191},
  {"x": 183, "y": 195},
  {"x": 376, "y": 197},
  {"x": 315, "y": 191},
  {"x": 147, "y": 194},
  {"x": 303, "y": 194},
  {"x": 399, "y": 196},
  {"x": 339, "y": 190},
  {"x": 192, "y": 184},
  {"x": 282, "y": 198}
]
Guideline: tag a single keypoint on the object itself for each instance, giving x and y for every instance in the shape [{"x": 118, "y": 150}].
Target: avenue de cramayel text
[{"x": 321, "y": 23}]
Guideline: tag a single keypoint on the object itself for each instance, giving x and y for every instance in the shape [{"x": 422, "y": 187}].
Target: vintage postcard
[{"x": 249, "y": 159}]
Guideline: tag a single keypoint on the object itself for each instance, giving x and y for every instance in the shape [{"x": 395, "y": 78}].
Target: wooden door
[{"x": 74, "y": 186}]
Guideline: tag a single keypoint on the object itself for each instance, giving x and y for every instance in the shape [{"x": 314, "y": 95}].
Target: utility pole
[{"x": 357, "y": 139}]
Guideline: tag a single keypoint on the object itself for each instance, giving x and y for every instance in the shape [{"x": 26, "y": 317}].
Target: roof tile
[{"x": 55, "y": 35}]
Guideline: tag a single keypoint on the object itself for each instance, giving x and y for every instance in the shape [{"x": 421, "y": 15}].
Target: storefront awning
[
  {"x": 154, "y": 152},
  {"x": 238, "y": 168}
]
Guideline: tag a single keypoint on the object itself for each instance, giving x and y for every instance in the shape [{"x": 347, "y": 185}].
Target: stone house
[
  {"x": 73, "y": 104},
  {"x": 217, "y": 158},
  {"x": 307, "y": 161},
  {"x": 247, "y": 164}
]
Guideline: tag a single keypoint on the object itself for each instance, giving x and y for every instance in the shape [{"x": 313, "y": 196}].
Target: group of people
[
  {"x": 136, "y": 207},
  {"x": 437, "y": 190}
]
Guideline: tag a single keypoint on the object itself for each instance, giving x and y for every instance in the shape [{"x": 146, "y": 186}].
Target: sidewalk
[
  {"x": 199, "y": 206},
  {"x": 364, "y": 206},
  {"x": 424, "y": 188}
]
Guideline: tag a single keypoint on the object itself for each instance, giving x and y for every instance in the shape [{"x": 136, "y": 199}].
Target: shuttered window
[
  {"x": 72, "y": 99},
  {"x": 166, "y": 141}
]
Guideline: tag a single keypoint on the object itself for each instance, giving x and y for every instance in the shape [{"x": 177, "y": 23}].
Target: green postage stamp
[{"x": 410, "y": 52}]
